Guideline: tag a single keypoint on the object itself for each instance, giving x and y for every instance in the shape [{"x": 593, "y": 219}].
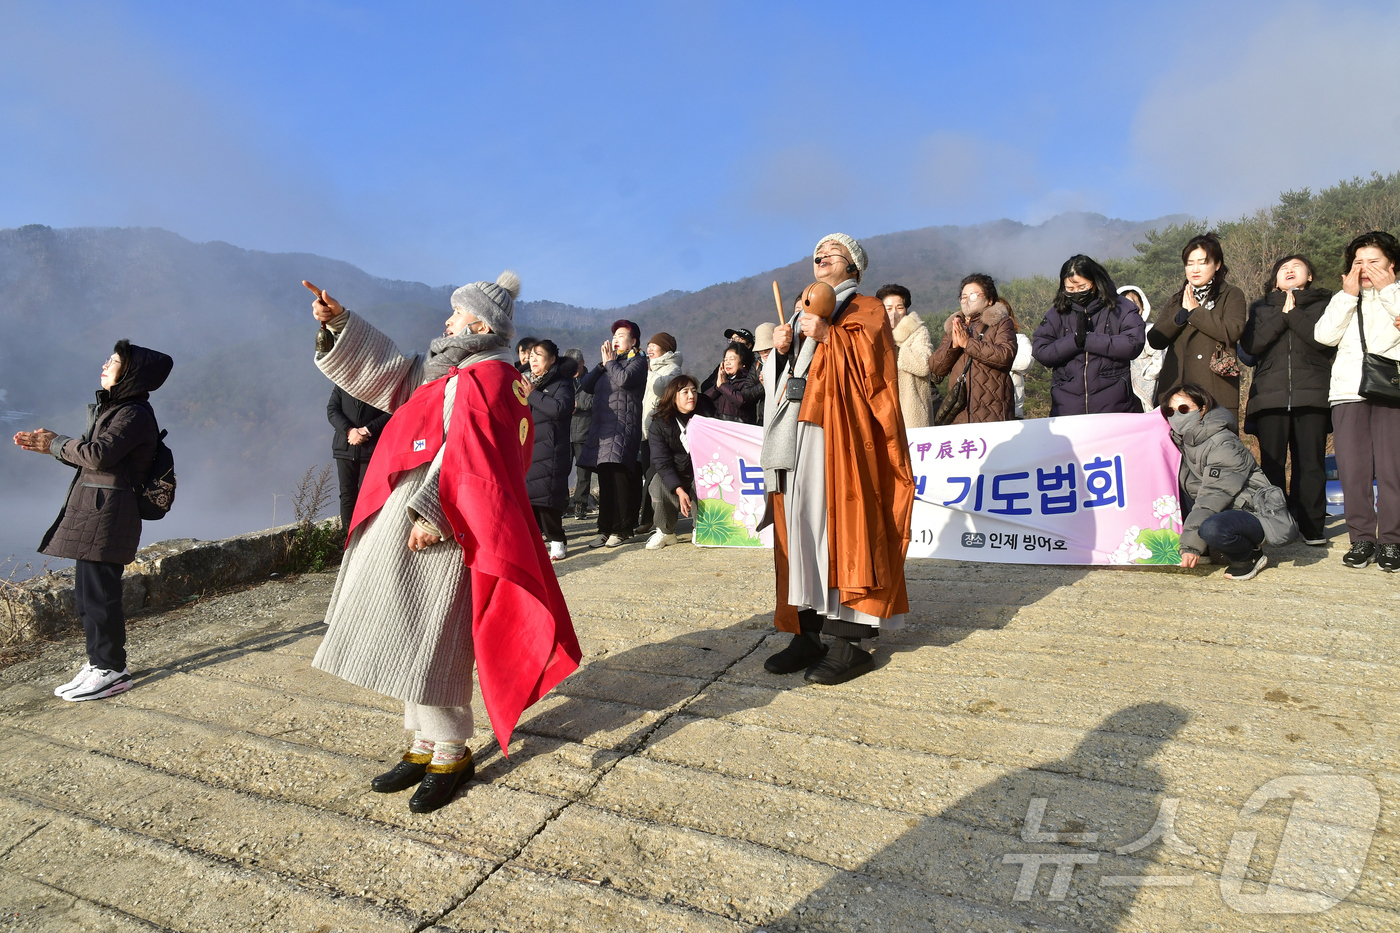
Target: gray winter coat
[
  {"x": 99, "y": 520},
  {"x": 615, "y": 435},
  {"x": 1219, "y": 473}
]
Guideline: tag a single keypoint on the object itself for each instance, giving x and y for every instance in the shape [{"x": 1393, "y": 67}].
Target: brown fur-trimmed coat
[{"x": 987, "y": 361}]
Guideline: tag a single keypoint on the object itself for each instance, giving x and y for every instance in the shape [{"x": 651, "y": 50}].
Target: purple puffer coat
[{"x": 1098, "y": 377}]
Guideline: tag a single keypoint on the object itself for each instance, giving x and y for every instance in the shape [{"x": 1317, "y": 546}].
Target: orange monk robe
[{"x": 853, "y": 394}]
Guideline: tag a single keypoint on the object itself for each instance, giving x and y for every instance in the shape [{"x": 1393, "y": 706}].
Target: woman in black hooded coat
[
  {"x": 552, "y": 408},
  {"x": 99, "y": 525}
]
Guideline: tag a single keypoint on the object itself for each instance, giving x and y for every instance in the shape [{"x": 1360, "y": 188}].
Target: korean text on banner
[{"x": 1087, "y": 489}]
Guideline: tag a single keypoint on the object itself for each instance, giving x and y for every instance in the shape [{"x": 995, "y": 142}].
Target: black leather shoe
[
  {"x": 842, "y": 663},
  {"x": 802, "y": 652},
  {"x": 403, "y": 775},
  {"x": 439, "y": 786}
]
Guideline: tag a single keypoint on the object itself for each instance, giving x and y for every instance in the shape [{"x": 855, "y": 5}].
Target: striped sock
[
  {"x": 421, "y": 746},
  {"x": 446, "y": 754}
]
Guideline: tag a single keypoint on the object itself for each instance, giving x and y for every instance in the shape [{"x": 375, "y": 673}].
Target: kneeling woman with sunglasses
[{"x": 1229, "y": 504}]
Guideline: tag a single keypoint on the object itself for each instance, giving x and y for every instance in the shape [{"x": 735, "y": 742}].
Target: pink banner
[
  {"x": 1087, "y": 489},
  {"x": 728, "y": 483}
]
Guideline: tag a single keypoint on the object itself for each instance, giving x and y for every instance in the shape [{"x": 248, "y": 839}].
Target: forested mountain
[{"x": 246, "y": 407}]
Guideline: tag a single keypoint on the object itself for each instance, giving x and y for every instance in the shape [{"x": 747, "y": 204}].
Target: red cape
[{"x": 523, "y": 636}]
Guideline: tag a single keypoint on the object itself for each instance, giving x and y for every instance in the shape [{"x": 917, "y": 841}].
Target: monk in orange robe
[{"x": 836, "y": 466}]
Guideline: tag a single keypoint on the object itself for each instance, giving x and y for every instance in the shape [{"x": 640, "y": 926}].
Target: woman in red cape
[{"x": 444, "y": 567}]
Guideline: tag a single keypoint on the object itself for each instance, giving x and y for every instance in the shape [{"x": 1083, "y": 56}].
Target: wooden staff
[{"x": 778, "y": 300}]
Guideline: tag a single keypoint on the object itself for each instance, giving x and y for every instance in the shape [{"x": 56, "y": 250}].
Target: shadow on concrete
[
  {"x": 627, "y": 696},
  {"x": 981, "y": 852},
  {"x": 220, "y": 654},
  {"x": 582, "y": 557}
]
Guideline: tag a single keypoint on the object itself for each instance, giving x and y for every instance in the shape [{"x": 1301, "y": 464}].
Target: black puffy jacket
[
  {"x": 99, "y": 520},
  {"x": 1292, "y": 370},
  {"x": 669, "y": 457},
  {"x": 583, "y": 411},
  {"x": 552, "y": 408},
  {"x": 737, "y": 398}
]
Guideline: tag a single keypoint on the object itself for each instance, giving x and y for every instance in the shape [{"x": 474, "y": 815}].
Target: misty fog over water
[{"x": 209, "y": 504}]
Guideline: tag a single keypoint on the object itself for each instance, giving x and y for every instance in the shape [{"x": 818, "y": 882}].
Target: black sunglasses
[{"x": 1183, "y": 409}]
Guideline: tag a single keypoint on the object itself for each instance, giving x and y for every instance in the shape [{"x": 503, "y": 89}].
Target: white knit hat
[
  {"x": 857, "y": 254},
  {"x": 491, "y": 302}
]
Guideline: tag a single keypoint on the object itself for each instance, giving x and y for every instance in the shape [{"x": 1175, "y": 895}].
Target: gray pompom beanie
[{"x": 492, "y": 303}]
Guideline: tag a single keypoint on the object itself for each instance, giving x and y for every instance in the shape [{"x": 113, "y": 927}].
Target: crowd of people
[
  {"x": 455, "y": 465},
  {"x": 625, "y": 420}
]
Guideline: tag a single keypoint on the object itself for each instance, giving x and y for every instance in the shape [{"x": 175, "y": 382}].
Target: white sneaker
[
  {"x": 557, "y": 550},
  {"x": 99, "y": 684},
  {"x": 659, "y": 539},
  {"x": 61, "y": 689}
]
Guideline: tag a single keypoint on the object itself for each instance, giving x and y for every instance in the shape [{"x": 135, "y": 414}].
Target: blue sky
[{"x": 608, "y": 152}]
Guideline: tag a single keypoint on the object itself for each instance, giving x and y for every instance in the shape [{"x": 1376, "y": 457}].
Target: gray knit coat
[{"x": 400, "y": 622}]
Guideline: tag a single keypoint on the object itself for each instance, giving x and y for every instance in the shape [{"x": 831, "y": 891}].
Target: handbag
[
  {"x": 954, "y": 404},
  {"x": 1268, "y": 504},
  {"x": 1224, "y": 362},
  {"x": 1380, "y": 375}
]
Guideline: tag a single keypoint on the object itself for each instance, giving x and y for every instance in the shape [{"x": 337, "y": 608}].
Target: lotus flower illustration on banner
[
  {"x": 1160, "y": 545},
  {"x": 728, "y": 486}
]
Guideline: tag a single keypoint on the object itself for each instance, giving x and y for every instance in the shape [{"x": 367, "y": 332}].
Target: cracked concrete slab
[{"x": 673, "y": 784}]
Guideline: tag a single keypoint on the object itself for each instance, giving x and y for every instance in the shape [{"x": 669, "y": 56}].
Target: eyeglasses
[
  {"x": 112, "y": 360},
  {"x": 1183, "y": 409}
]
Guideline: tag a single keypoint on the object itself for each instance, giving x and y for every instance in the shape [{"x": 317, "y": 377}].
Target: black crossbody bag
[{"x": 1380, "y": 375}]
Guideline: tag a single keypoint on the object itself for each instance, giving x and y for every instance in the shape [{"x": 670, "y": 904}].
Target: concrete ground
[{"x": 1002, "y": 769}]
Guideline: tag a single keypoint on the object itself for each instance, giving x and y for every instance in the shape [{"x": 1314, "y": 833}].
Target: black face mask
[{"x": 1083, "y": 299}]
